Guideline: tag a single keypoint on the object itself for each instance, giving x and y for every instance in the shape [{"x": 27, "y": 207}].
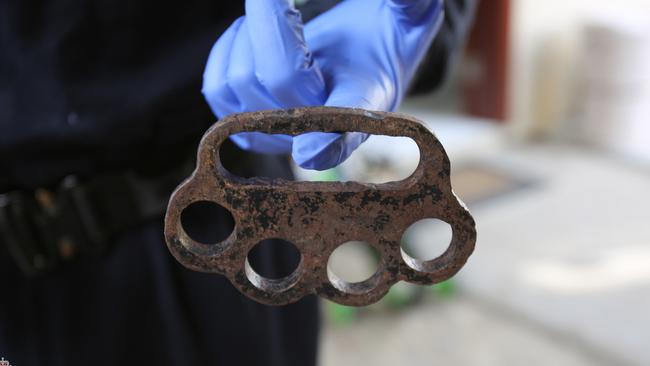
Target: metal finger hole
[
  {"x": 273, "y": 265},
  {"x": 380, "y": 159},
  {"x": 207, "y": 222},
  {"x": 425, "y": 241},
  {"x": 230, "y": 157},
  {"x": 353, "y": 267}
]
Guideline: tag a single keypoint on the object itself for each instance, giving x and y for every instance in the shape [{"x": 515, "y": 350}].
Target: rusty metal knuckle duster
[{"x": 317, "y": 217}]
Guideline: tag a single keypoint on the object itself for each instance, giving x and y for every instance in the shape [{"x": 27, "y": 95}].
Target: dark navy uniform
[{"x": 108, "y": 92}]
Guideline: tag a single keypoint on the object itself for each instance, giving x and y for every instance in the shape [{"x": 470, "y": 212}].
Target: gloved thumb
[{"x": 322, "y": 151}]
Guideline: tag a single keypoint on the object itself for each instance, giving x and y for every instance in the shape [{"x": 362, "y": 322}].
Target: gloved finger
[
  {"x": 283, "y": 62},
  {"x": 321, "y": 151},
  {"x": 215, "y": 87},
  {"x": 419, "y": 21},
  {"x": 373, "y": 91},
  {"x": 241, "y": 75},
  {"x": 253, "y": 97}
]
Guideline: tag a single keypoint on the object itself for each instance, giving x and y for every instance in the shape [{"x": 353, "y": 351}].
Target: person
[{"x": 101, "y": 111}]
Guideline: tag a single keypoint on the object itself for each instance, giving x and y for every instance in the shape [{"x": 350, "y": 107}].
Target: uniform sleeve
[
  {"x": 446, "y": 47},
  {"x": 312, "y": 8}
]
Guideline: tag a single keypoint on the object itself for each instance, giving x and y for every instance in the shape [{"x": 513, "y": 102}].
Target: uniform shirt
[{"x": 97, "y": 85}]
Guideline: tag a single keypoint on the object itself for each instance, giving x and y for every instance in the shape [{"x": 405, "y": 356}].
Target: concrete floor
[
  {"x": 459, "y": 331},
  {"x": 560, "y": 276}
]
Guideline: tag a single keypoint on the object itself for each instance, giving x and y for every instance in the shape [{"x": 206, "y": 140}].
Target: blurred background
[{"x": 547, "y": 123}]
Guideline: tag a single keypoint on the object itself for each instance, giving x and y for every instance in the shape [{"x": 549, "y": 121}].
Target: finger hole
[
  {"x": 207, "y": 222},
  {"x": 273, "y": 265},
  {"x": 353, "y": 267},
  {"x": 425, "y": 241},
  {"x": 380, "y": 159},
  {"x": 274, "y": 258}
]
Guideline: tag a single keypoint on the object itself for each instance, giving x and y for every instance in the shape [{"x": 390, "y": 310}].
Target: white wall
[{"x": 545, "y": 43}]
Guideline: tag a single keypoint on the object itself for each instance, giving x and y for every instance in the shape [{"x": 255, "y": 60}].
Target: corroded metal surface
[{"x": 317, "y": 217}]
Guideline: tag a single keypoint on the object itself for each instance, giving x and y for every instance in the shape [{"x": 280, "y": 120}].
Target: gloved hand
[{"x": 361, "y": 53}]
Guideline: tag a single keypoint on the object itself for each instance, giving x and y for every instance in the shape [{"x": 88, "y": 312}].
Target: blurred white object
[
  {"x": 613, "y": 102},
  {"x": 383, "y": 159}
]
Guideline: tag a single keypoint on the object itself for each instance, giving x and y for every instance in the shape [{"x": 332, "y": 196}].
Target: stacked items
[{"x": 614, "y": 98}]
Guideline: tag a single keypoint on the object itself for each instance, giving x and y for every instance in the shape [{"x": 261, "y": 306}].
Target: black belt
[{"x": 45, "y": 228}]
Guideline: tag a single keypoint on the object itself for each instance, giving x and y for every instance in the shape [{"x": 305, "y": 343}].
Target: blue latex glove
[{"x": 361, "y": 53}]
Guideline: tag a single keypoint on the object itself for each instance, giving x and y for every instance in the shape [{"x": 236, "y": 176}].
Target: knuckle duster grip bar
[{"x": 317, "y": 217}]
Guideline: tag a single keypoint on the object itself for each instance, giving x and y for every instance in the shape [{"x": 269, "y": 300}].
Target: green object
[
  {"x": 329, "y": 175},
  {"x": 402, "y": 295},
  {"x": 445, "y": 288},
  {"x": 340, "y": 315}
]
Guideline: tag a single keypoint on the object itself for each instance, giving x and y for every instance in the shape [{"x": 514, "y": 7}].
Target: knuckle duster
[{"x": 319, "y": 216}]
